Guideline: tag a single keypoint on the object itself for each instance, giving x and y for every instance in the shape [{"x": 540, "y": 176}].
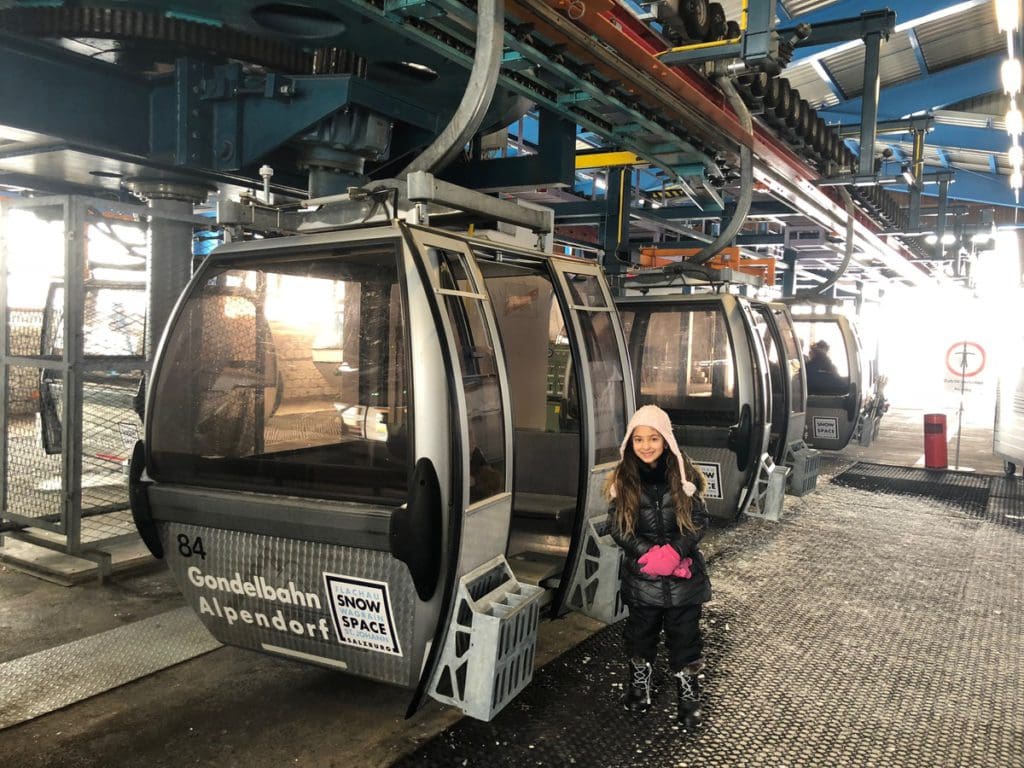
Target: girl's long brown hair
[{"x": 625, "y": 479}]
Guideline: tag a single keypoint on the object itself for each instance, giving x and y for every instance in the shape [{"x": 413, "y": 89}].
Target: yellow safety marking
[
  {"x": 608, "y": 159},
  {"x": 701, "y": 46}
]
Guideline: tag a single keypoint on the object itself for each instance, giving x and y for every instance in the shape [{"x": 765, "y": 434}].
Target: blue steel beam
[
  {"x": 906, "y": 10},
  {"x": 964, "y": 137},
  {"x": 947, "y": 86},
  {"x": 78, "y": 99},
  {"x": 972, "y": 187},
  {"x": 958, "y": 137},
  {"x": 915, "y": 44},
  {"x": 212, "y": 118}
]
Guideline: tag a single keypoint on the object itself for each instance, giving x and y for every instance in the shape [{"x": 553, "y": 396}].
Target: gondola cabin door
[
  {"x": 480, "y": 435},
  {"x": 566, "y": 367},
  {"x": 606, "y": 402}
]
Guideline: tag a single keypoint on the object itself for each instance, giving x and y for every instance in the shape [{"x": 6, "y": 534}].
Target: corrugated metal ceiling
[
  {"x": 897, "y": 64},
  {"x": 799, "y": 7},
  {"x": 805, "y": 78},
  {"x": 960, "y": 37}
]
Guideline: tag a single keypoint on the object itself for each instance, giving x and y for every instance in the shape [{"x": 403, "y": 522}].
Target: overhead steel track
[
  {"x": 598, "y": 69},
  {"x": 589, "y": 102},
  {"x": 679, "y": 89}
]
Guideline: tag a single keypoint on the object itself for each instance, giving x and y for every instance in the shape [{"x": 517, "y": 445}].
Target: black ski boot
[
  {"x": 638, "y": 687},
  {"x": 688, "y": 694}
]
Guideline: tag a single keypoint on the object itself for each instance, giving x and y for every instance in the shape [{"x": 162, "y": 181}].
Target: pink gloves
[
  {"x": 659, "y": 560},
  {"x": 682, "y": 570},
  {"x": 663, "y": 560}
]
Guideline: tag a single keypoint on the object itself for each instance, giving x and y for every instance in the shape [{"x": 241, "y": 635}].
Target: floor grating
[{"x": 865, "y": 629}]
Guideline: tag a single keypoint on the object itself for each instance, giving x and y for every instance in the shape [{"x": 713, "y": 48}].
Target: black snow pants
[{"x": 682, "y": 628}]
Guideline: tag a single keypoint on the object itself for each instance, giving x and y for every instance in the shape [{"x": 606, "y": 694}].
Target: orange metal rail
[{"x": 727, "y": 258}]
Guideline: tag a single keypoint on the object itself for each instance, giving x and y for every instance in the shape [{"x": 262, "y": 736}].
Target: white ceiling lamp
[
  {"x": 1016, "y": 180},
  {"x": 1007, "y": 15},
  {"x": 1014, "y": 121},
  {"x": 1016, "y": 156},
  {"x": 1011, "y": 76}
]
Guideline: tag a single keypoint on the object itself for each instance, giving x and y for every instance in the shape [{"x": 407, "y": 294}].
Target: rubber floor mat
[{"x": 964, "y": 489}]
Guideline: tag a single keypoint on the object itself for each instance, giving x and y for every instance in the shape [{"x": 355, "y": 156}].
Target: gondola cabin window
[
  {"x": 475, "y": 348},
  {"x": 825, "y": 356},
  {"x": 607, "y": 379},
  {"x": 289, "y": 374},
  {"x": 792, "y": 351},
  {"x": 685, "y": 363}
]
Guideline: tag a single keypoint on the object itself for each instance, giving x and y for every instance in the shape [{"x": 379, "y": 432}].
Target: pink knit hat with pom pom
[{"x": 652, "y": 416}]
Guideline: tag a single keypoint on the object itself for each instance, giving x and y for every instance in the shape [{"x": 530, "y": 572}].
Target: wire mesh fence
[{"x": 72, "y": 413}]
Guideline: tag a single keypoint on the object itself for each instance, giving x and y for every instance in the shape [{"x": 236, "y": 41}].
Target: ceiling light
[
  {"x": 1016, "y": 180},
  {"x": 1007, "y": 15},
  {"x": 1011, "y": 76},
  {"x": 1014, "y": 122},
  {"x": 1016, "y": 156},
  {"x": 981, "y": 237},
  {"x": 931, "y": 239},
  {"x": 948, "y": 238}
]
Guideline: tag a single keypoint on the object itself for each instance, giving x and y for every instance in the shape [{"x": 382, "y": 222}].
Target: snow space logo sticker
[
  {"x": 826, "y": 427},
  {"x": 713, "y": 474},
  {"x": 361, "y": 609}
]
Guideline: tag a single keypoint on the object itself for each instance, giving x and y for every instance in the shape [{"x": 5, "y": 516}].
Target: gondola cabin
[
  {"x": 700, "y": 358},
  {"x": 380, "y": 450},
  {"x": 840, "y": 386}
]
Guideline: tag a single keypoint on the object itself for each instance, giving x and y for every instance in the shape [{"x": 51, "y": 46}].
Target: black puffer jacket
[{"x": 656, "y": 524}]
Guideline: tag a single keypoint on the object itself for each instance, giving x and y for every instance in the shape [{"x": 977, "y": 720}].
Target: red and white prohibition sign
[{"x": 965, "y": 358}]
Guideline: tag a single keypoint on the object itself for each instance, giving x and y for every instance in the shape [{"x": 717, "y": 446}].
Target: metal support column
[
  {"x": 616, "y": 218},
  {"x": 940, "y": 219},
  {"x": 170, "y": 240},
  {"x": 869, "y": 102},
  {"x": 5, "y": 350},
  {"x": 789, "y": 276},
  {"x": 917, "y": 170},
  {"x": 73, "y": 353},
  {"x": 170, "y": 265}
]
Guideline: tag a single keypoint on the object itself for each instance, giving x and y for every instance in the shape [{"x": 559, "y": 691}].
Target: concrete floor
[{"x": 237, "y": 708}]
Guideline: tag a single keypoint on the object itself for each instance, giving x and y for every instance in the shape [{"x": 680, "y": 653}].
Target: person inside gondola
[
  {"x": 657, "y": 516},
  {"x": 822, "y": 375}
]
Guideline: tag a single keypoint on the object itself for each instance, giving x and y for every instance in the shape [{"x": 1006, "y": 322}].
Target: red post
[{"x": 935, "y": 446}]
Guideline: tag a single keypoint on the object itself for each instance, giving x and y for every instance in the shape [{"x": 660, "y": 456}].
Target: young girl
[{"x": 657, "y": 516}]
